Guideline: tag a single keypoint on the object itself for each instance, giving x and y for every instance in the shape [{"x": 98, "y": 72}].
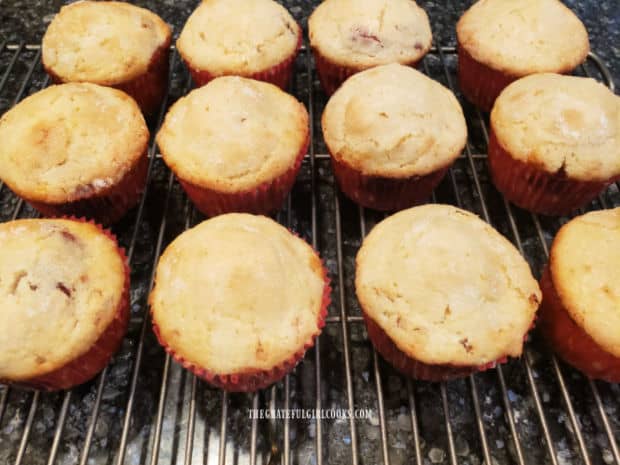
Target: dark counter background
[{"x": 27, "y": 19}]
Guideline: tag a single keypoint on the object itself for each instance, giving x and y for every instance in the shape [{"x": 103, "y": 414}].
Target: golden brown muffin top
[
  {"x": 446, "y": 287},
  {"x": 361, "y": 34},
  {"x": 523, "y": 37},
  {"x": 105, "y": 43},
  {"x": 394, "y": 121},
  {"x": 585, "y": 273},
  {"x": 233, "y": 134},
  {"x": 237, "y": 292},
  {"x": 61, "y": 285},
  {"x": 562, "y": 124},
  {"x": 69, "y": 141}
]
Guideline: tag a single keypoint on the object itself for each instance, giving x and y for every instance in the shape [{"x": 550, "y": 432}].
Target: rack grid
[{"x": 145, "y": 409}]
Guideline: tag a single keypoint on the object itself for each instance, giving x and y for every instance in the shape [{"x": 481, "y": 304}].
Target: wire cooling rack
[{"x": 145, "y": 409}]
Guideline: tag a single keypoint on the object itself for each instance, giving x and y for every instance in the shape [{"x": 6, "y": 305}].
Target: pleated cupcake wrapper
[
  {"x": 266, "y": 198},
  {"x": 382, "y": 193},
  {"x": 147, "y": 89},
  {"x": 279, "y": 75},
  {"x": 85, "y": 366},
  {"x": 105, "y": 207},
  {"x": 479, "y": 83},
  {"x": 567, "y": 339},
  {"x": 536, "y": 190},
  {"x": 332, "y": 75},
  {"x": 253, "y": 379},
  {"x": 413, "y": 368}
]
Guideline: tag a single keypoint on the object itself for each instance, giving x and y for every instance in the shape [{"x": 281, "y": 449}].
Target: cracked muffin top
[
  {"x": 238, "y": 36},
  {"x": 106, "y": 43},
  {"x": 69, "y": 141},
  {"x": 584, "y": 269},
  {"x": 394, "y": 121},
  {"x": 523, "y": 37},
  {"x": 446, "y": 287},
  {"x": 233, "y": 134},
  {"x": 361, "y": 34},
  {"x": 61, "y": 285},
  {"x": 237, "y": 293},
  {"x": 563, "y": 124}
]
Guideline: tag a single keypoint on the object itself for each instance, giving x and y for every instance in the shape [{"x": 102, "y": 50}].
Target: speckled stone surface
[{"x": 26, "y": 20}]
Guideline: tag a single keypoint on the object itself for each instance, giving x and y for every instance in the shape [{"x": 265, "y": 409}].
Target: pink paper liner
[
  {"x": 413, "y": 368},
  {"x": 84, "y": 367},
  {"x": 534, "y": 189},
  {"x": 252, "y": 379},
  {"x": 569, "y": 341},
  {"x": 147, "y": 89},
  {"x": 106, "y": 206},
  {"x": 279, "y": 74},
  {"x": 266, "y": 198},
  {"x": 332, "y": 75},
  {"x": 383, "y": 193}
]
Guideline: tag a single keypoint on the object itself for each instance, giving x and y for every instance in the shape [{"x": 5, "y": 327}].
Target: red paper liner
[
  {"x": 266, "y": 198},
  {"x": 479, "y": 83},
  {"x": 106, "y": 206},
  {"x": 279, "y": 74},
  {"x": 534, "y": 189},
  {"x": 383, "y": 193},
  {"x": 90, "y": 363},
  {"x": 253, "y": 380},
  {"x": 147, "y": 89},
  {"x": 414, "y": 368},
  {"x": 332, "y": 75},
  {"x": 569, "y": 341}
]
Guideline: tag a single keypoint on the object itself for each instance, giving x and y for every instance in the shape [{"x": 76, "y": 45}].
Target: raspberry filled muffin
[
  {"x": 236, "y": 145},
  {"x": 580, "y": 315},
  {"x": 500, "y": 41},
  {"x": 443, "y": 294},
  {"x": 348, "y": 36},
  {"x": 257, "y": 39},
  {"x": 64, "y": 288},
  {"x": 76, "y": 149},
  {"x": 112, "y": 44},
  {"x": 392, "y": 134},
  {"x": 554, "y": 142},
  {"x": 238, "y": 300}
]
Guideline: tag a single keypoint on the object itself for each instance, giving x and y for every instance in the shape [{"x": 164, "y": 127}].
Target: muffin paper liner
[
  {"x": 279, "y": 74},
  {"x": 569, "y": 341},
  {"x": 107, "y": 205},
  {"x": 332, "y": 75},
  {"x": 266, "y": 198},
  {"x": 479, "y": 83},
  {"x": 85, "y": 366},
  {"x": 383, "y": 193},
  {"x": 147, "y": 89},
  {"x": 534, "y": 189},
  {"x": 253, "y": 379}
]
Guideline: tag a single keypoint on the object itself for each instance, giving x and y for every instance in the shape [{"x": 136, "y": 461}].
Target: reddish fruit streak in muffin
[{"x": 365, "y": 34}]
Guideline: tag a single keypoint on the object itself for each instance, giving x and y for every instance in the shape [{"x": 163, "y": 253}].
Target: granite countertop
[{"x": 27, "y": 20}]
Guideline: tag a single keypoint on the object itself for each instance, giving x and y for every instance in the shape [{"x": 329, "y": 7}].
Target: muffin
[
  {"x": 76, "y": 149},
  {"x": 256, "y": 39},
  {"x": 392, "y": 134},
  {"x": 238, "y": 300},
  {"x": 64, "y": 300},
  {"x": 236, "y": 145},
  {"x": 580, "y": 315},
  {"x": 500, "y": 41},
  {"x": 554, "y": 142},
  {"x": 349, "y": 36},
  {"x": 443, "y": 294},
  {"x": 112, "y": 44}
]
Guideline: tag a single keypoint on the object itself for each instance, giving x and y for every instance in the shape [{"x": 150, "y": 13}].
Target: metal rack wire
[{"x": 144, "y": 408}]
